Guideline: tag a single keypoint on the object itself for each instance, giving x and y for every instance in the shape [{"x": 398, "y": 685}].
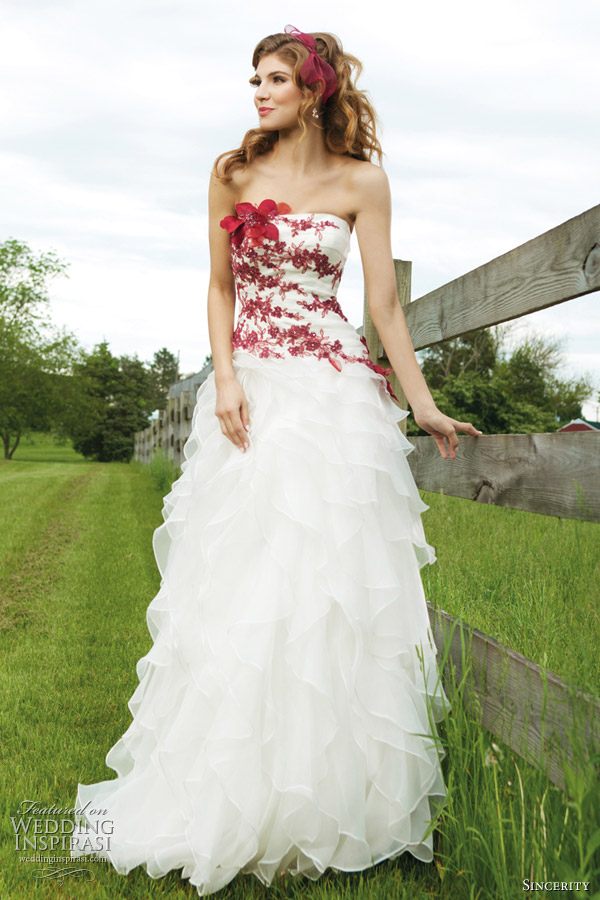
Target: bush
[{"x": 164, "y": 471}]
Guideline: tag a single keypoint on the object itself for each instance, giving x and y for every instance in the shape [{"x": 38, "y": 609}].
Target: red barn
[{"x": 581, "y": 425}]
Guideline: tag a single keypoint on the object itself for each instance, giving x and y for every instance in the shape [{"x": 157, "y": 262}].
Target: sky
[{"x": 112, "y": 114}]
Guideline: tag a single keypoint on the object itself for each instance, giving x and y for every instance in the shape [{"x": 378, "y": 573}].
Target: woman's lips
[{"x": 264, "y": 110}]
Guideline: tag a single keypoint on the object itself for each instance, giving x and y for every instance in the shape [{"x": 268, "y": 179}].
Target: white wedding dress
[{"x": 285, "y": 714}]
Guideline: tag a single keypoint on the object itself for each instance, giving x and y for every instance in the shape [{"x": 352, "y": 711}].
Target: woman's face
[{"x": 276, "y": 98}]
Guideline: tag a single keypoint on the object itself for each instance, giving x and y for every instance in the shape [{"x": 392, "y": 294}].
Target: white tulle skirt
[{"x": 284, "y": 716}]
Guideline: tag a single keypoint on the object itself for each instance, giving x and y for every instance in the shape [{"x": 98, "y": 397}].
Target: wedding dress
[{"x": 285, "y": 714}]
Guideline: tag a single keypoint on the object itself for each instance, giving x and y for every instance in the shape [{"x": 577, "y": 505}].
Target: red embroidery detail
[
  {"x": 270, "y": 322},
  {"x": 325, "y": 305},
  {"x": 309, "y": 223}
]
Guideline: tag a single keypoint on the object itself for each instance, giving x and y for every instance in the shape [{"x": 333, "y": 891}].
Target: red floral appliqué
[
  {"x": 274, "y": 319},
  {"x": 254, "y": 222}
]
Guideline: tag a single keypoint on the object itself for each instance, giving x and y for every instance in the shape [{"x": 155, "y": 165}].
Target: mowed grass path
[{"x": 77, "y": 573}]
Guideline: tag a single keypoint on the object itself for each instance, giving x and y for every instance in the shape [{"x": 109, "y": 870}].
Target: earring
[{"x": 315, "y": 113}]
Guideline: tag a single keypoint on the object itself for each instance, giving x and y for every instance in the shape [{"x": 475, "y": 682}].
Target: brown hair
[{"x": 349, "y": 120}]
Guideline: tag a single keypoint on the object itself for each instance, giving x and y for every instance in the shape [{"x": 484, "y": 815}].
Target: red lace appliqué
[{"x": 270, "y": 323}]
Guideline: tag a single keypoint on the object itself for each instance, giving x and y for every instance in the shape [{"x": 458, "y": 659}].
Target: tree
[
  {"x": 164, "y": 370},
  {"x": 34, "y": 354},
  {"x": 23, "y": 284},
  {"x": 473, "y": 378},
  {"x": 115, "y": 398},
  {"x": 475, "y": 351},
  {"x": 531, "y": 372},
  {"x": 31, "y": 382}
]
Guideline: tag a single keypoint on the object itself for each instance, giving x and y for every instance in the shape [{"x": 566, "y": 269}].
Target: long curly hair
[{"x": 349, "y": 120}]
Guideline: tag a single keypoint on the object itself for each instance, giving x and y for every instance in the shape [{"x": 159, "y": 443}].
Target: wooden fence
[
  {"x": 169, "y": 432},
  {"x": 536, "y": 713}
]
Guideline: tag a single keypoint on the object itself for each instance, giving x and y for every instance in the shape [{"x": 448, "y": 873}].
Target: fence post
[{"x": 403, "y": 269}]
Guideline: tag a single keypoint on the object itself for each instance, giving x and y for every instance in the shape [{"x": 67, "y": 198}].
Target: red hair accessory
[{"x": 315, "y": 68}]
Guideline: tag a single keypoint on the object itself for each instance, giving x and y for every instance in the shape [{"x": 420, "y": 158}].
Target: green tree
[
  {"x": 24, "y": 277},
  {"x": 474, "y": 378},
  {"x": 33, "y": 383},
  {"x": 35, "y": 356},
  {"x": 164, "y": 370},
  {"x": 475, "y": 351},
  {"x": 115, "y": 400}
]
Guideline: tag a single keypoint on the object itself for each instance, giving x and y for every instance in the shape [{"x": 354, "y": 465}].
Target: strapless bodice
[{"x": 287, "y": 269}]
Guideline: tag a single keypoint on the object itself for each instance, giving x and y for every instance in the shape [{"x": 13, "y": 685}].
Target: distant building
[{"x": 581, "y": 425}]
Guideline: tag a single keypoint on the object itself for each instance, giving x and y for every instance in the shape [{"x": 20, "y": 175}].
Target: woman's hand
[
  {"x": 441, "y": 426},
  {"x": 232, "y": 411}
]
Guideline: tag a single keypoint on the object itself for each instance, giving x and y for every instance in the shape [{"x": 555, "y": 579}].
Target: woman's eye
[{"x": 277, "y": 78}]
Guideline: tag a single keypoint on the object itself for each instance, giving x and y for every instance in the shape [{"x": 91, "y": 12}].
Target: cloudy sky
[{"x": 112, "y": 113}]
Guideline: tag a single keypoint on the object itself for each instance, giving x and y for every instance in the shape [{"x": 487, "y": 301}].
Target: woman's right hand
[{"x": 232, "y": 411}]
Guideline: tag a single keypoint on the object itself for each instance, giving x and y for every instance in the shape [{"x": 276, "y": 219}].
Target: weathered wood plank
[
  {"x": 556, "y": 474},
  {"x": 553, "y": 267},
  {"x": 540, "y": 716},
  {"x": 558, "y": 265}
]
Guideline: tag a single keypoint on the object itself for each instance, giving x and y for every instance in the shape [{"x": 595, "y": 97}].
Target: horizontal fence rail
[
  {"x": 535, "y": 712},
  {"x": 556, "y": 266},
  {"x": 557, "y": 474}
]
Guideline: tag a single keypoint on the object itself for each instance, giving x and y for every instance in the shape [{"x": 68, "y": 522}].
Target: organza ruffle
[{"x": 284, "y": 713}]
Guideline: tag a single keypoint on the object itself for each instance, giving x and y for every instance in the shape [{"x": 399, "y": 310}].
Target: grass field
[{"x": 77, "y": 573}]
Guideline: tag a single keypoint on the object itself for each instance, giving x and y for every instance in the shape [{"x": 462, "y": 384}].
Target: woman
[{"x": 285, "y": 715}]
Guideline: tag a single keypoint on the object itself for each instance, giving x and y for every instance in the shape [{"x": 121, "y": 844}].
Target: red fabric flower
[{"x": 254, "y": 222}]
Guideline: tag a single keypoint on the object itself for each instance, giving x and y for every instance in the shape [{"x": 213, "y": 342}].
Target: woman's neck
[{"x": 305, "y": 158}]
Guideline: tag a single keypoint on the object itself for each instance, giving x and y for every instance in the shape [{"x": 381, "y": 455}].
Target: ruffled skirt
[{"x": 284, "y": 716}]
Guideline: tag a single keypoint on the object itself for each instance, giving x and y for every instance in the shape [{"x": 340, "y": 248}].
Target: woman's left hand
[{"x": 441, "y": 426}]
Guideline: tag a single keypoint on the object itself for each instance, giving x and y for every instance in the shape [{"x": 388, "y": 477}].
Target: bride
[{"x": 285, "y": 714}]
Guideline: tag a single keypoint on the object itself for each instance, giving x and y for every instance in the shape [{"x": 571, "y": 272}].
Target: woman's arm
[
  {"x": 232, "y": 406},
  {"x": 373, "y": 228},
  {"x": 221, "y": 286}
]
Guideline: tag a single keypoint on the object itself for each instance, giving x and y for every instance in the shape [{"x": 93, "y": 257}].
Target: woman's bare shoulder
[
  {"x": 366, "y": 175},
  {"x": 366, "y": 184},
  {"x": 226, "y": 192},
  {"x": 235, "y": 185}
]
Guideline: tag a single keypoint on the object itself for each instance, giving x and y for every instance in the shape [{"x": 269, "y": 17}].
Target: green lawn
[
  {"x": 530, "y": 581},
  {"x": 77, "y": 573}
]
